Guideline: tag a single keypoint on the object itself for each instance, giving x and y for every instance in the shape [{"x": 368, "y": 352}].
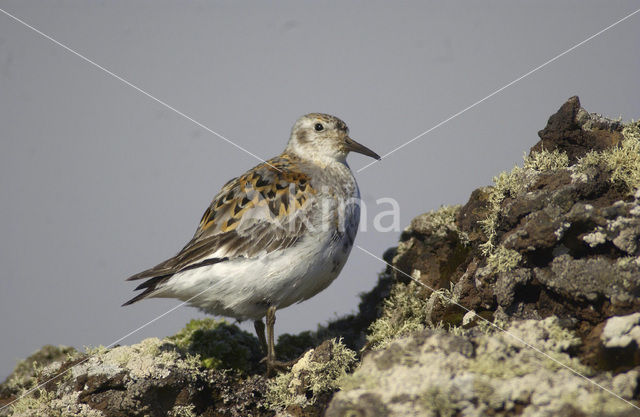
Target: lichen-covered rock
[
  {"x": 209, "y": 368},
  {"x": 306, "y": 389},
  {"x": 46, "y": 359},
  {"x": 152, "y": 378},
  {"x": 621, "y": 332},
  {"x": 434, "y": 245},
  {"x": 558, "y": 236},
  {"x": 479, "y": 373}
]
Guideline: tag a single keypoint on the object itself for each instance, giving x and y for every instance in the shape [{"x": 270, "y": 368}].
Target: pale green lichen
[
  {"x": 548, "y": 336},
  {"x": 151, "y": 359},
  {"x": 37, "y": 401},
  {"x": 46, "y": 360},
  {"x": 621, "y": 162},
  {"x": 503, "y": 259},
  {"x": 446, "y": 296},
  {"x": 406, "y": 309},
  {"x": 513, "y": 184},
  {"x": 219, "y": 345},
  {"x": 626, "y": 262},
  {"x": 183, "y": 411},
  {"x": 440, "y": 223},
  {"x": 435, "y": 373},
  {"x": 404, "y": 312},
  {"x": 509, "y": 184},
  {"x": 601, "y": 403},
  {"x": 309, "y": 378},
  {"x": 95, "y": 350},
  {"x": 45, "y": 403},
  {"x": 440, "y": 402},
  {"x": 544, "y": 160},
  {"x": 496, "y": 363}
]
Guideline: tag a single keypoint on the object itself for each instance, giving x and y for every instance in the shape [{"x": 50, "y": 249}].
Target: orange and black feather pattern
[{"x": 264, "y": 210}]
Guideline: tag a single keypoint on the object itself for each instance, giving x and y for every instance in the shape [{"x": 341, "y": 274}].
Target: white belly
[{"x": 245, "y": 288}]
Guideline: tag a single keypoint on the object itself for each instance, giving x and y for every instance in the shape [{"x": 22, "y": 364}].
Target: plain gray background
[{"x": 98, "y": 182}]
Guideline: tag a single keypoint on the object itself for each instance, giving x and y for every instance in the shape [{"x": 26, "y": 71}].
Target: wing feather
[{"x": 262, "y": 211}]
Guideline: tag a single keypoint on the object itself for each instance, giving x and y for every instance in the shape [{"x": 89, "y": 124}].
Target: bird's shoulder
[{"x": 271, "y": 193}]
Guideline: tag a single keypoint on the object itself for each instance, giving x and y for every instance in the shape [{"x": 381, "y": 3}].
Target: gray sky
[{"x": 98, "y": 182}]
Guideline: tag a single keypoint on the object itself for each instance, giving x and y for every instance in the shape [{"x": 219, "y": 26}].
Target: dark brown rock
[{"x": 565, "y": 131}]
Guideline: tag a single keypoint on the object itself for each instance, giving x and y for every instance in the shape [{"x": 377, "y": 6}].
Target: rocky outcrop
[
  {"x": 523, "y": 301},
  {"x": 553, "y": 238},
  {"x": 482, "y": 372},
  {"x": 177, "y": 376},
  {"x": 552, "y": 244}
]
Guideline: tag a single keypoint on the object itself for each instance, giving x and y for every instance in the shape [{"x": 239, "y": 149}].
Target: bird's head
[{"x": 323, "y": 138}]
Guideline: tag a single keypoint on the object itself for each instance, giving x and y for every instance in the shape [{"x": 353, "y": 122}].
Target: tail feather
[
  {"x": 159, "y": 274},
  {"x": 153, "y": 282},
  {"x": 139, "y": 297},
  {"x": 156, "y": 271},
  {"x": 149, "y": 286}
]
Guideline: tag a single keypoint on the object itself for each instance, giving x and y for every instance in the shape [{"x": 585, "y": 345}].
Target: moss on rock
[{"x": 218, "y": 344}]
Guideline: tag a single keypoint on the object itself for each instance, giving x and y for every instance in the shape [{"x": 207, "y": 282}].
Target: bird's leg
[
  {"x": 271, "y": 321},
  {"x": 259, "y": 326},
  {"x": 272, "y": 363}
]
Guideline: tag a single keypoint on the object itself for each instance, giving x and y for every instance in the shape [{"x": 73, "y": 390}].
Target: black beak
[{"x": 353, "y": 146}]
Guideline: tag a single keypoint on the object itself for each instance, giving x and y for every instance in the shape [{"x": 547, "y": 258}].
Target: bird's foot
[{"x": 275, "y": 366}]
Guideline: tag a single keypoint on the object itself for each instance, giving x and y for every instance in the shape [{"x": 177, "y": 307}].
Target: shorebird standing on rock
[{"x": 277, "y": 235}]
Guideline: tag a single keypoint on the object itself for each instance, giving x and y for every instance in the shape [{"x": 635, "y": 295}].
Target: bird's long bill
[{"x": 354, "y": 146}]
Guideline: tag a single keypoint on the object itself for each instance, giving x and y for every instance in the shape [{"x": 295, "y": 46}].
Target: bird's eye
[{"x": 318, "y": 127}]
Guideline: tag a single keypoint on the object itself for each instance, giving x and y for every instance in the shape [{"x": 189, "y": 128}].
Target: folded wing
[{"x": 266, "y": 209}]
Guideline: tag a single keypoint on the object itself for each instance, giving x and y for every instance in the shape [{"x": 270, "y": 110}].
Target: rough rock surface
[
  {"x": 576, "y": 132},
  {"x": 479, "y": 373},
  {"x": 554, "y": 237},
  {"x": 154, "y": 377},
  {"x": 550, "y": 253}
]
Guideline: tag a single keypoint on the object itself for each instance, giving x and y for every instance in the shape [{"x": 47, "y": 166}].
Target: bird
[{"x": 274, "y": 236}]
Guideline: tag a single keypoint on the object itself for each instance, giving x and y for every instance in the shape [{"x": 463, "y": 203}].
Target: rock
[
  {"x": 438, "y": 246},
  {"x": 46, "y": 358},
  {"x": 152, "y": 378},
  {"x": 558, "y": 236},
  {"x": 307, "y": 388},
  {"x": 588, "y": 279},
  {"x": 620, "y": 332},
  {"x": 576, "y": 132},
  {"x": 434, "y": 373}
]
